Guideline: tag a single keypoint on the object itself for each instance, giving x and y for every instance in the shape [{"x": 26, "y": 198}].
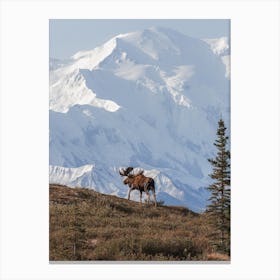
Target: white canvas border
[{"x": 254, "y": 128}]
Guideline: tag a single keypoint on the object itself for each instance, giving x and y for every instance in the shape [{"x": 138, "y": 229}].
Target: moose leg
[
  {"x": 148, "y": 194},
  {"x": 130, "y": 189},
  {"x": 155, "y": 198},
  {"x": 141, "y": 197}
]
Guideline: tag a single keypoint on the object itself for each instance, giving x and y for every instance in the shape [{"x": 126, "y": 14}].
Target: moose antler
[
  {"x": 141, "y": 172},
  {"x": 125, "y": 172}
]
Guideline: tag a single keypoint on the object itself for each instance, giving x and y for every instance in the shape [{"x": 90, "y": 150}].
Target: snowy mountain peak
[
  {"x": 159, "y": 60},
  {"x": 90, "y": 59}
]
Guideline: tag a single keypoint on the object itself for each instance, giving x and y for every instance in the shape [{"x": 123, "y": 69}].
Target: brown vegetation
[{"x": 86, "y": 225}]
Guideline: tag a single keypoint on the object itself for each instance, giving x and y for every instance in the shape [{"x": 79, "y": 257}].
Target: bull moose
[{"x": 138, "y": 182}]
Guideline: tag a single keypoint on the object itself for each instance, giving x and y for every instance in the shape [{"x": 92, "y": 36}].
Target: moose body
[{"x": 139, "y": 182}]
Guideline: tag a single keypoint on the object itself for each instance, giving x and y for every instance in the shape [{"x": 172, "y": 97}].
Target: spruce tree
[{"x": 219, "y": 207}]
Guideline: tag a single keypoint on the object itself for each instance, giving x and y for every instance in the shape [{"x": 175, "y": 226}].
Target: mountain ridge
[{"x": 149, "y": 99}]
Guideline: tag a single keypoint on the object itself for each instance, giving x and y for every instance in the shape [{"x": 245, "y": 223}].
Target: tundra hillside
[{"x": 86, "y": 225}]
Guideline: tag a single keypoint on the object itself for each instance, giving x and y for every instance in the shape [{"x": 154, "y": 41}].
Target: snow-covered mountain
[
  {"x": 220, "y": 47},
  {"x": 148, "y": 99}
]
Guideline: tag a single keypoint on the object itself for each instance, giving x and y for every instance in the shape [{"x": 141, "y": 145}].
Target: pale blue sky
[{"x": 72, "y": 35}]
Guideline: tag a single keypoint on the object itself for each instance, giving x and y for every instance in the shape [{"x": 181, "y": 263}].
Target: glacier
[{"x": 149, "y": 99}]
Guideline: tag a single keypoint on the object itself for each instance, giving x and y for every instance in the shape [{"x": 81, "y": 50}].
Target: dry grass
[
  {"x": 218, "y": 257},
  {"x": 86, "y": 225}
]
